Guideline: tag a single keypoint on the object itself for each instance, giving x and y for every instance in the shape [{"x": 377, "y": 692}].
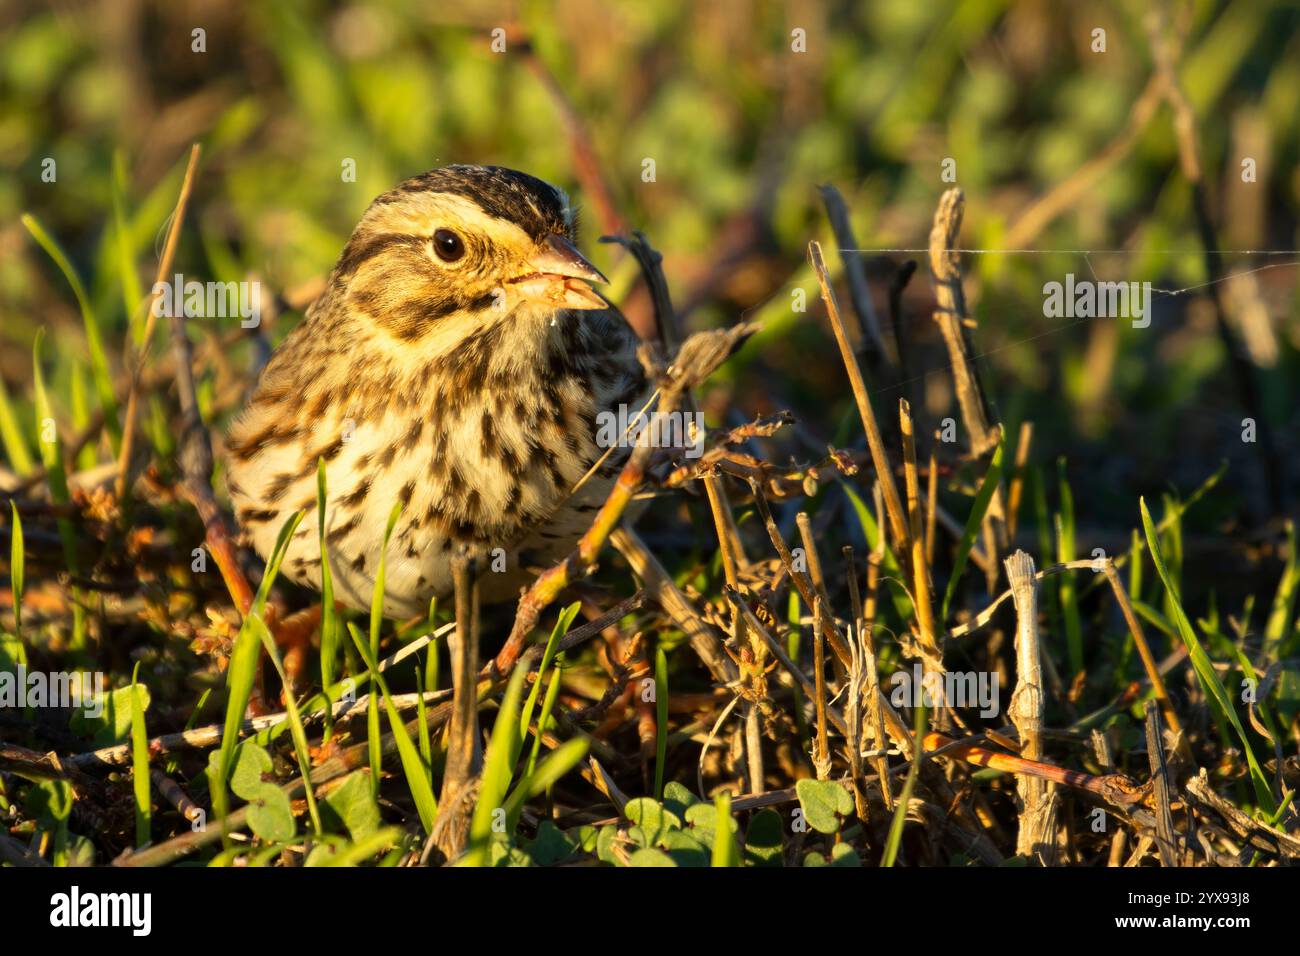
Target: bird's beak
[{"x": 557, "y": 277}]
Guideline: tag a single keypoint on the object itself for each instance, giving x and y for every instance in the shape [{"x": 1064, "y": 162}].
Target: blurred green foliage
[{"x": 742, "y": 128}]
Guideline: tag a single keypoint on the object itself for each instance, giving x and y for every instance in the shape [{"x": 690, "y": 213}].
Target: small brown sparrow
[{"x": 456, "y": 363}]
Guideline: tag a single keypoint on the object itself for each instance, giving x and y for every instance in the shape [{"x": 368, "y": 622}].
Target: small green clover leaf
[{"x": 824, "y": 804}]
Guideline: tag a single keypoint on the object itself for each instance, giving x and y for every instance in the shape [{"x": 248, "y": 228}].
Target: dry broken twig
[{"x": 1037, "y": 835}]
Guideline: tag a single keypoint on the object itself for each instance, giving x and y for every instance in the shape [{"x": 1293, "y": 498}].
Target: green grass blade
[
  {"x": 241, "y": 673},
  {"x": 498, "y": 769},
  {"x": 329, "y": 696},
  {"x": 422, "y": 724},
  {"x": 329, "y": 621},
  {"x": 11, "y": 435},
  {"x": 661, "y": 719},
  {"x": 431, "y": 658},
  {"x": 1135, "y": 568},
  {"x": 415, "y": 769},
  {"x": 992, "y": 478},
  {"x": 51, "y": 457},
  {"x": 890, "y": 572},
  {"x": 296, "y": 728},
  {"x": 363, "y": 850},
  {"x": 1157, "y": 620},
  {"x": 1278, "y": 627},
  {"x": 172, "y": 763},
  {"x": 563, "y": 759},
  {"x": 543, "y": 719},
  {"x": 139, "y": 763},
  {"x": 56, "y": 478},
  {"x": 98, "y": 361},
  {"x": 273, "y": 566},
  {"x": 895, "y": 838},
  {"x": 1042, "y": 519},
  {"x": 80, "y": 415},
  {"x": 377, "y": 597},
  {"x": 1261, "y": 705},
  {"x": 724, "y": 841},
  {"x": 376, "y": 621},
  {"x": 792, "y": 648},
  {"x": 242, "y": 670},
  {"x": 1066, "y": 589},
  {"x": 557, "y": 633},
  {"x": 17, "y": 565},
  {"x": 124, "y": 252},
  {"x": 1175, "y": 513},
  {"x": 1170, "y": 536},
  {"x": 1202, "y": 664}
]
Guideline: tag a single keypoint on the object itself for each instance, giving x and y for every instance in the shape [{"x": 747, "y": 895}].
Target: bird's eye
[{"x": 448, "y": 245}]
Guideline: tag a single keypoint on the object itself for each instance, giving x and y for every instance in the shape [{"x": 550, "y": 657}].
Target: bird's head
[{"x": 464, "y": 240}]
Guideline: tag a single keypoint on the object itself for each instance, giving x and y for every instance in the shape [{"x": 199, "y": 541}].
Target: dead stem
[
  {"x": 859, "y": 291},
  {"x": 172, "y": 792},
  {"x": 1168, "y": 843},
  {"x": 1037, "y": 835},
  {"x": 920, "y": 570},
  {"x": 799, "y": 577},
  {"x": 1023, "y": 442},
  {"x": 123, "y": 484},
  {"x": 821, "y": 753},
  {"x": 951, "y": 317},
  {"x": 732, "y": 554},
  {"x": 931, "y": 506},
  {"x": 819, "y": 592},
  {"x": 1148, "y": 659},
  {"x": 857, "y": 683},
  {"x": 194, "y": 447},
  {"x": 873, "y": 674},
  {"x": 884, "y": 473},
  {"x": 451, "y": 827},
  {"x": 660, "y": 587}
]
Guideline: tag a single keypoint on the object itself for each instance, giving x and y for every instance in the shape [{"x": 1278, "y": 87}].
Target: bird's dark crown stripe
[{"x": 531, "y": 203}]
